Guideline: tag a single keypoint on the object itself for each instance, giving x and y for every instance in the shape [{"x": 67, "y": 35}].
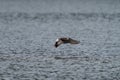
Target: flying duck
[{"x": 64, "y": 40}]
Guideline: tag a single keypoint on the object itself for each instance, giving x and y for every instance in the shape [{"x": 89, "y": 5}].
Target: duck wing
[{"x": 72, "y": 41}]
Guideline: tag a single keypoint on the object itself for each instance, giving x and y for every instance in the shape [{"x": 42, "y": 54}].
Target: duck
[{"x": 65, "y": 40}]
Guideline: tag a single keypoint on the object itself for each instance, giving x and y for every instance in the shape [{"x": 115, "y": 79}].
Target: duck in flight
[{"x": 64, "y": 40}]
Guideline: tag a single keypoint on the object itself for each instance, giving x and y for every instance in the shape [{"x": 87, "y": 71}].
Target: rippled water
[{"x": 27, "y": 51}]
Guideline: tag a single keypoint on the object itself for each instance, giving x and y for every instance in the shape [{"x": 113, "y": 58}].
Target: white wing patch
[{"x": 57, "y": 40}]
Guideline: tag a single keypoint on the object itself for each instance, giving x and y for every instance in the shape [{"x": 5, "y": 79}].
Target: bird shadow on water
[
  {"x": 69, "y": 55},
  {"x": 81, "y": 58}
]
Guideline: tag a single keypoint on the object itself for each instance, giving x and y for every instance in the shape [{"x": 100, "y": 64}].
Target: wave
[{"x": 55, "y": 16}]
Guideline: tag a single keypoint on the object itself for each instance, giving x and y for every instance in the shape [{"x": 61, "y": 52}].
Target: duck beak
[{"x": 56, "y": 45}]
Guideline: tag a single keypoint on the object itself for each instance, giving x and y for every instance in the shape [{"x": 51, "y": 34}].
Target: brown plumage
[{"x": 60, "y": 41}]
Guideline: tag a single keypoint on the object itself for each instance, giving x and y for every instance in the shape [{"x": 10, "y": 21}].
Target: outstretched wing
[{"x": 72, "y": 41}]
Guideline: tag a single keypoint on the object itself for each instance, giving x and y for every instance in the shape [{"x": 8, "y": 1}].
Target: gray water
[{"x": 28, "y": 32}]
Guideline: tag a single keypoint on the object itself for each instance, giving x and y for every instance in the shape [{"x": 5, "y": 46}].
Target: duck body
[{"x": 64, "y": 40}]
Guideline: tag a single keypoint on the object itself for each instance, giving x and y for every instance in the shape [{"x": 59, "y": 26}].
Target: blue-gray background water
[{"x": 28, "y": 30}]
